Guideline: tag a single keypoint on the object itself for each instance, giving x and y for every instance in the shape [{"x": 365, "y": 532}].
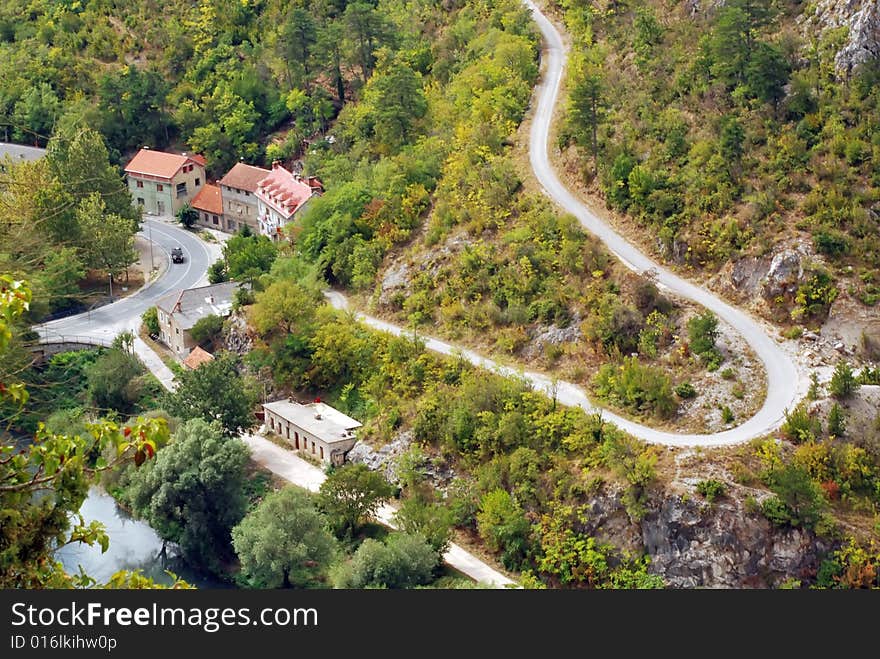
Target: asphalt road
[
  {"x": 109, "y": 320},
  {"x": 785, "y": 384}
]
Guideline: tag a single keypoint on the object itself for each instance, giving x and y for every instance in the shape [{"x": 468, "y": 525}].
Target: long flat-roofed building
[{"x": 315, "y": 429}]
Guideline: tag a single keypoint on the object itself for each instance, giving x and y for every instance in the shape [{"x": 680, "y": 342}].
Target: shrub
[
  {"x": 402, "y": 561},
  {"x": 207, "y": 330},
  {"x": 702, "y": 334},
  {"x": 686, "y": 390},
  {"x": 151, "y": 320},
  {"x": 843, "y": 381},
  {"x": 727, "y": 415},
  {"x": 503, "y": 526},
  {"x": 836, "y": 421},
  {"x": 800, "y": 425},
  {"x": 637, "y": 387},
  {"x": 711, "y": 489}
]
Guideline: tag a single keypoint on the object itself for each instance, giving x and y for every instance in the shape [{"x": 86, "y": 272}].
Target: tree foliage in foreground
[{"x": 43, "y": 485}]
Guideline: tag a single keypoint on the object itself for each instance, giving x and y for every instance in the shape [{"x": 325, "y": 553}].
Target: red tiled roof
[
  {"x": 197, "y": 357},
  {"x": 244, "y": 177},
  {"x": 159, "y": 163},
  {"x": 209, "y": 200},
  {"x": 283, "y": 191}
]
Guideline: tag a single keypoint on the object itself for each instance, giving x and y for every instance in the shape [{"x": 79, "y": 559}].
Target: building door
[
  {"x": 322, "y": 451},
  {"x": 160, "y": 207}
]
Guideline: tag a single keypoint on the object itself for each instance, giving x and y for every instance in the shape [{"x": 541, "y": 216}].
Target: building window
[
  {"x": 247, "y": 194},
  {"x": 140, "y": 184},
  {"x": 313, "y": 448},
  {"x": 159, "y": 187},
  {"x": 177, "y": 330},
  {"x": 140, "y": 201},
  {"x": 198, "y": 182},
  {"x": 215, "y": 219},
  {"x": 181, "y": 189},
  {"x": 322, "y": 452}
]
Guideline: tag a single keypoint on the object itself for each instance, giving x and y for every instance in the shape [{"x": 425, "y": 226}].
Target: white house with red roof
[
  {"x": 163, "y": 182},
  {"x": 280, "y": 196}
]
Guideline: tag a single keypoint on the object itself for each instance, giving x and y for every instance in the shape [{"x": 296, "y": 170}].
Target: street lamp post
[{"x": 150, "y": 230}]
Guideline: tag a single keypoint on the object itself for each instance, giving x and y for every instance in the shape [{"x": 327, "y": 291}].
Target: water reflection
[{"x": 133, "y": 545}]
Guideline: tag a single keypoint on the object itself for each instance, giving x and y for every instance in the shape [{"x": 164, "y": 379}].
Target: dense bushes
[
  {"x": 637, "y": 387},
  {"x": 719, "y": 128}
]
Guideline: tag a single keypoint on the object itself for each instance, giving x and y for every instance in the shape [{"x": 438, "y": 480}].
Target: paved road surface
[{"x": 108, "y": 321}]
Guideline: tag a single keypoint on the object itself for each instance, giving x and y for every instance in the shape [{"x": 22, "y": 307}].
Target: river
[{"x": 133, "y": 545}]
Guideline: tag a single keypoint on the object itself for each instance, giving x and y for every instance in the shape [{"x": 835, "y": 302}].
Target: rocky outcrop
[
  {"x": 386, "y": 459},
  {"x": 238, "y": 338},
  {"x": 723, "y": 546},
  {"x": 692, "y": 544},
  {"x": 543, "y": 336},
  {"x": 784, "y": 274},
  {"x": 862, "y": 20}
]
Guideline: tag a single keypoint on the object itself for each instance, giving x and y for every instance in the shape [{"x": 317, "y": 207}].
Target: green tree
[
  {"x": 187, "y": 215},
  {"x": 108, "y": 238},
  {"x": 732, "y": 138},
  {"x": 585, "y": 103},
  {"x": 365, "y": 29},
  {"x": 214, "y": 391},
  {"x": 132, "y": 106},
  {"x": 424, "y": 515},
  {"x": 206, "y": 331},
  {"x": 351, "y": 494},
  {"x": 702, "y": 333},
  {"x": 767, "y": 74},
  {"x": 60, "y": 275},
  {"x": 285, "y": 307},
  {"x": 836, "y": 421},
  {"x": 284, "y": 542},
  {"x": 217, "y": 272},
  {"x": 396, "y": 101},
  {"x": 248, "y": 256},
  {"x": 112, "y": 381},
  {"x": 503, "y": 526},
  {"x": 328, "y": 49},
  {"x": 80, "y": 163},
  {"x": 43, "y": 485},
  {"x": 402, "y": 561},
  {"x": 297, "y": 41},
  {"x": 799, "y": 500},
  {"x": 843, "y": 381},
  {"x": 35, "y": 115},
  {"x": 193, "y": 494},
  {"x": 151, "y": 320}
]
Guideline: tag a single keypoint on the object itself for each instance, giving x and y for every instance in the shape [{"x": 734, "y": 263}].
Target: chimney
[{"x": 276, "y": 164}]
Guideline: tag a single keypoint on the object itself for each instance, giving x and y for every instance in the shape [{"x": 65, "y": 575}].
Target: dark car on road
[{"x": 177, "y": 255}]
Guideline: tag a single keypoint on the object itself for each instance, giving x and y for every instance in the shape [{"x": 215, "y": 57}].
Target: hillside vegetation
[{"x": 726, "y": 129}]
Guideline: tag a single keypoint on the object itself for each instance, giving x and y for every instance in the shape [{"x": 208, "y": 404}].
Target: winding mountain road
[
  {"x": 107, "y": 321},
  {"x": 784, "y": 383}
]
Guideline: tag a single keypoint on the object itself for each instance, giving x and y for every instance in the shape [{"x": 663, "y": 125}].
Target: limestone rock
[
  {"x": 785, "y": 273},
  {"x": 862, "y": 20}
]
